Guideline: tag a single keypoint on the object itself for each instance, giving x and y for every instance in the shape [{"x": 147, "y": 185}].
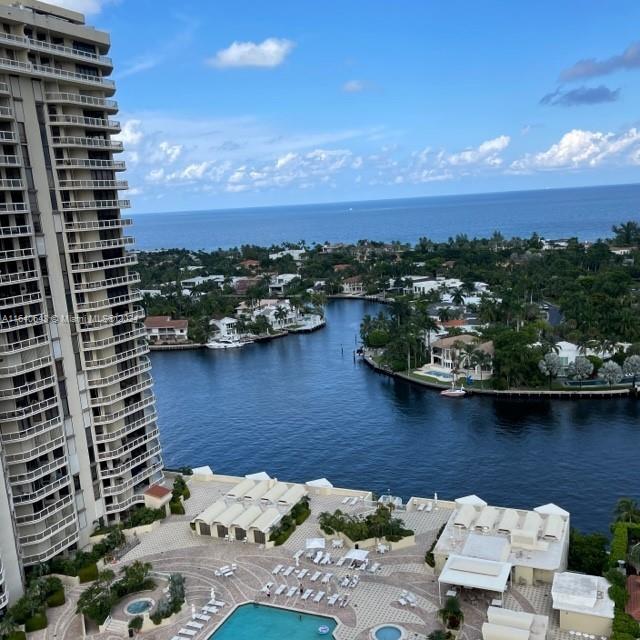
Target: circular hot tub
[
  {"x": 388, "y": 632},
  {"x": 139, "y": 606}
]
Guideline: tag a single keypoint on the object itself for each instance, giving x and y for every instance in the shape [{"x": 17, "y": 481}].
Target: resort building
[
  {"x": 164, "y": 330},
  {"x": 524, "y": 547},
  {"x": 583, "y": 603},
  {"x": 77, "y": 414}
]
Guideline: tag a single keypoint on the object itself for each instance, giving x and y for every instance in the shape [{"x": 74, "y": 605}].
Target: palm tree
[
  {"x": 451, "y": 614},
  {"x": 280, "y": 314},
  {"x": 627, "y": 510},
  {"x": 482, "y": 359},
  {"x": 627, "y": 233},
  {"x": 457, "y": 297}
]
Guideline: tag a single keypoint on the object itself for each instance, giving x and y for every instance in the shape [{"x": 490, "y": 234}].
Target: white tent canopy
[
  {"x": 261, "y": 475},
  {"x": 315, "y": 543},
  {"x": 241, "y": 489},
  {"x": 211, "y": 513},
  {"x": 277, "y": 491},
  {"x": 473, "y": 500},
  {"x": 258, "y": 491},
  {"x": 464, "y": 516},
  {"x": 359, "y": 555},
  {"x": 267, "y": 520},
  {"x": 475, "y": 573},
  {"x": 551, "y": 509},
  {"x": 293, "y": 495},
  {"x": 321, "y": 483}
]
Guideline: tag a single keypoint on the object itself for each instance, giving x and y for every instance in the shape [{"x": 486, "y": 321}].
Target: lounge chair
[
  {"x": 354, "y": 501},
  {"x": 194, "y": 625},
  {"x": 354, "y": 582},
  {"x": 421, "y": 506},
  {"x": 203, "y": 617},
  {"x": 288, "y": 571},
  {"x": 177, "y": 638},
  {"x": 216, "y": 603},
  {"x": 318, "y": 557},
  {"x": 267, "y": 587},
  {"x": 345, "y": 500},
  {"x": 291, "y": 591},
  {"x": 315, "y": 576},
  {"x": 326, "y": 578},
  {"x": 341, "y": 561},
  {"x": 187, "y": 632},
  {"x": 319, "y": 597},
  {"x": 211, "y": 610},
  {"x": 280, "y": 590},
  {"x": 298, "y": 554},
  {"x": 401, "y": 601},
  {"x": 277, "y": 569},
  {"x": 411, "y": 599},
  {"x": 326, "y": 559},
  {"x": 302, "y": 573},
  {"x": 345, "y": 581},
  {"x": 344, "y": 601},
  {"x": 307, "y": 594},
  {"x": 333, "y": 599},
  {"x": 429, "y": 507},
  {"x": 374, "y": 567}
]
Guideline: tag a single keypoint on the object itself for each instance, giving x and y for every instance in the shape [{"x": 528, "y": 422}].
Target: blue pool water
[
  {"x": 388, "y": 633},
  {"x": 139, "y": 606},
  {"x": 253, "y": 621}
]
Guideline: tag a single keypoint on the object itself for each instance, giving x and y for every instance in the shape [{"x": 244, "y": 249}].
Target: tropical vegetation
[{"x": 380, "y": 524}]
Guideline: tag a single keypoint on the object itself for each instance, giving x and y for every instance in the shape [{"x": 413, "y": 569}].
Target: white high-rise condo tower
[{"x": 78, "y": 434}]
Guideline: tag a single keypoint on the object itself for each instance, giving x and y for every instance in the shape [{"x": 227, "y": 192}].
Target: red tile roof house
[
  {"x": 164, "y": 330},
  {"x": 352, "y": 286}
]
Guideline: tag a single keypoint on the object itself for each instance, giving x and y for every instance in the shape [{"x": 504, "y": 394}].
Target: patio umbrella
[
  {"x": 213, "y": 593},
  {"x": 193, "y": 611}
]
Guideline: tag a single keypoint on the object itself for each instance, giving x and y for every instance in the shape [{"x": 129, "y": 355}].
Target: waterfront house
[
  {"x": 242, "y": 284},
  {"x": 279, "y": 283},
  {"x": 339, "y": 268},
  {"x": 449, "y": 353},
  {"x": 164, "y": 330},
  {"x": 251, "y": 265},
  {"x": 226, "y": 327},
  {"x": 296, "y": 254},
  {"x": 534, "y": 543},
  {"x": 583, "y": 603},
  {"x": 353, "y": 286},
  {"x": 191, "y": 283}
]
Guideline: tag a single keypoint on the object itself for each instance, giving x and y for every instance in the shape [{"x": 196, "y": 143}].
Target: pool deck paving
[{"x": 174, "y": 547}]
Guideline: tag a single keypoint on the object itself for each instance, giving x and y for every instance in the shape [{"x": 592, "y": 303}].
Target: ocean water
[
  {"x": 303, "y": 407},
  {"x": 585, "y": 212}
]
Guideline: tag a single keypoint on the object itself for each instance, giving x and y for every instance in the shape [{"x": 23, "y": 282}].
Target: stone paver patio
[{"x": 174, "y": 547}]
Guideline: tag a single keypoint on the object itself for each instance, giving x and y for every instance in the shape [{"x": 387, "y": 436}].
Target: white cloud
[
  {"x": 88, "y": 7},
  {"x": 353, "y": 86},
  {"x": 583, "y": 149},
  {"x": 486, "y": 153},
  {"x": 269, "y": 53},
  {"x": 140, "y": 65},
  {"x": 130, "y": 134},
  {"x": 170, "y": 152}
]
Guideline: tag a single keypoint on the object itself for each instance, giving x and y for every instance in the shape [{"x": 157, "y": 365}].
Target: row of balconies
[
  {"x": 42, "y": 428},
  {"x": 77, "y": 205},
  {"x": 85, "y": 163},
  {"x": 129, "y": 446},
  {"x": 135, "y": 333},
  {"x": 59, "y": 74},
  {"x": 54, "y": 506},
  {"x": 56, "y": 49},
  {"x": 113, "y": 320},
  {"x": 85, "y": 142},
  {"x": 115, "y": 359},
  {"x": 18, "y": 230},
  {"x": 83, "y": 100},
  {"x": 84, "y": 121},
  {"x": 33, "y": 496},
  {"x": 106, "y": 303},
  {"x": 14, "y": 207},
  {"x": 126, "y": 503},
  {"x": 146, "y": 420},
  {"x": 25, "y": 389},
  {"x": 97, "y": 225},
  {"x": 14, "y": 184},
  {"x": 132, "y": 482},
  {"x": 21, "y": 413},
  {"x": 129, "y": 259},
  {"x": 66, "y": 185},
  {"x": 18, "y": 276},
  {"x": 139, "y": 387},
  {"x": 108, "y": 418},
  {"x": 144, "y": 365},
  {"x": 52, "y": 551},
  {"x": 15, "y": 301},
  {"x": 21, "y": 323},
  {"x": 10, "y": 160},
  {"x": 43, "y": 469},
  {"x": 49, "y": 530},
  {"x": 99, "y": 245},
  {"x": 16, "y": 254},
  {"x": 24, "y": 345},
  {"x": 131, "y": 278}
]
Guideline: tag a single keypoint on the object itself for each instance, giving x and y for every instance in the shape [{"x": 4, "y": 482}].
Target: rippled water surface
[{"x": 301, "y": 408}]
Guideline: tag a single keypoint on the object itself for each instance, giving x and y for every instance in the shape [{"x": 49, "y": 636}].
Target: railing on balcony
[
  {"x": 132, "y": 482},
  {"x": 56, "y": 506},
  {"x": 31, "y": 410},
  {"x": 105, "y": 303},
  {"x": 53, "y": 72},
  {"x": 108, "y": 436},
  {"x": 93, "y": 184},
  {"x": 131, "y": 278},
  {"x": 97, "y": 225},
  {"x": 43, "y": 469},
  {"x": 36, "y": 430},
  {"x": 78, "y": 98},
  {"x": 87, "y": 142},
  {"x": 11, "y": 183},
  {"x": 9, "y": 160},
  {"x": 108, "y": 418},
  {"x": 6, "y": 112},
  {"x": 84, "y": 121},
  {"x": 55, "y": 48},
  {"x": 34, "y": 496},
  {"x": 127, "y": 260},
  {"x": 134, "y": 334},
  {"x": 31, "y": 387},
  {"x": 129, "y": 446},
  {"x": 18, "y": 276},
  {"x": 50, "y": 553},
  {"x": 23, "y": 321},
  {"x": 98, "y": 245},
  {"x": 86, "y": 163},
  {"x": 21, "y": 300},
  {"x": 23, "y": 345},
  {"x": 116, "y": 358},
  {"x": 95, "y": 204},
  {"x": 46, "y": 533},
  {"x": 143, "y": 366},
  {"x": 7, "y": 136},
  {"x": 145, "y": 384}
]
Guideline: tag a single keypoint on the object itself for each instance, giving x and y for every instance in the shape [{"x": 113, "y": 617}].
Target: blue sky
[{"x": 233, "y": 103}]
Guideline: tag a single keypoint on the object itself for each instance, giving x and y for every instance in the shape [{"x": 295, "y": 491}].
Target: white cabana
[
  {"x": 258, "y": 490},
  {"x": 357, "y": 555},
  {"x": 475, "y": 573},
  {"x": 486, "y": 547},
  {"x": 486, "y": 520},
  {"x": 204, "y": 520},
  {"x": 526, "y": 535},
  {"x": 267, "y": 520},
  {"x": 553, "y": 528},
  {"x": 473, "y": 500},
  {"x": 241, "y": 522},
  {"x": 259, "y": 476},
  {"x": 293, "y": 496},
  {"x": 509, "y": 521},
  {"x": 224, "y": 520},
  {"x": 276, "y": 492},
  {"x": 314, "y": 543},
  {"x": 464, "y": 516},
  {"x": 510, "y": 618},
  {"x": 241, "y": 489}
]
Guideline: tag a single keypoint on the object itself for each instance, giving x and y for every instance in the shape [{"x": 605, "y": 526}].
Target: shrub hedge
[
  {"x": 56, "y": 599},
  {"x": 88, "y": 573},
  {"x": 17, "y": 635},
  {"x": 36, "y": 622},
  {"x": 176, "y": 507}
]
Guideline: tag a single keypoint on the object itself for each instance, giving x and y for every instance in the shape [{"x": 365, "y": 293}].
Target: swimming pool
[
  {"x": 139, "y": 606},
  {"x": 251, "y": 621}
]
